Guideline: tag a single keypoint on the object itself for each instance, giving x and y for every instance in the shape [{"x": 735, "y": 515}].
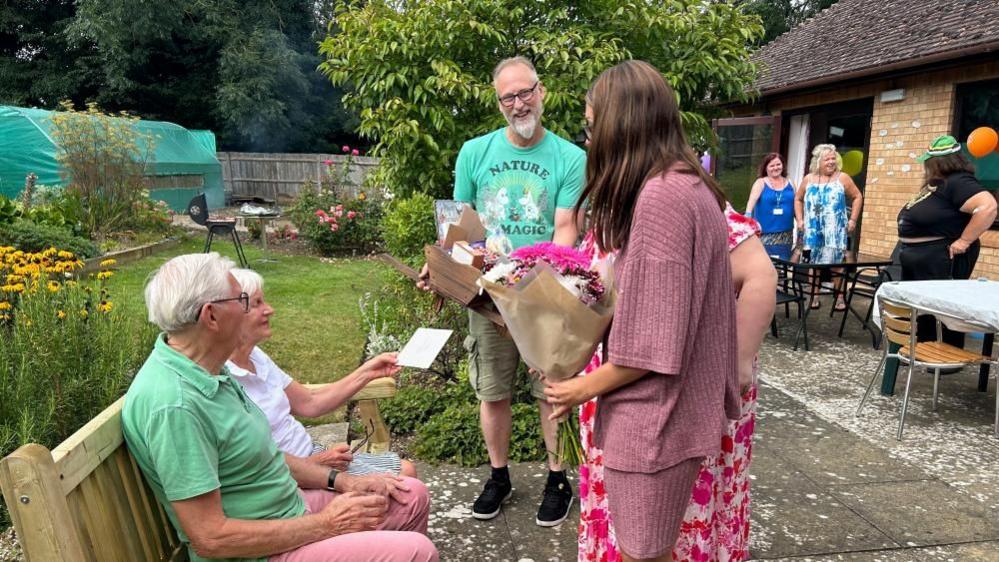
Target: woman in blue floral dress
[{"x": 820, "y": 209}]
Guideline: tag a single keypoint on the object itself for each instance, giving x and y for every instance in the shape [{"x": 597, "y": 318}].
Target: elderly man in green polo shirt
[{"x": 206, "y": 449}]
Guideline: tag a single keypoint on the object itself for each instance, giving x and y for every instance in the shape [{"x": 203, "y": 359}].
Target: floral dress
[
  {"x": 825, "y": 215},
  {"x": 716, "y": 524}
]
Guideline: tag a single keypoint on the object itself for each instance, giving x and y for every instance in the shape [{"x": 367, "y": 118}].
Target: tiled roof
[{"x": 860, "y": 37}]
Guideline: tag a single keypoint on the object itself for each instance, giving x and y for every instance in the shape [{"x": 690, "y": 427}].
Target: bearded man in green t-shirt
[{"x": 524, "y": 182}]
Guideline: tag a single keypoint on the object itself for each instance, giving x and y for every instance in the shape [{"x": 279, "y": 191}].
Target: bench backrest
[{"x": 86, "y": 501}]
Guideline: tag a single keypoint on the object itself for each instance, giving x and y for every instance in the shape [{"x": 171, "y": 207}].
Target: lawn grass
[{"x": 317, "y": 332}]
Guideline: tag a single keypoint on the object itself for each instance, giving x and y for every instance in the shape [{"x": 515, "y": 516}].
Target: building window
[{"x": 977, "y": 105}]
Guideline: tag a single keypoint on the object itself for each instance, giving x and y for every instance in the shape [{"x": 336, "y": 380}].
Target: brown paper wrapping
[{"x": 555, "y": 333}]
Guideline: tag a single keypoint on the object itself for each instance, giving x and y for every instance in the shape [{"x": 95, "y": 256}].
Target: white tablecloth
[{"x": 976, "y": 300}]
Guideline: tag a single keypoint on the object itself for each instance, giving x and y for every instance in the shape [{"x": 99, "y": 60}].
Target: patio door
[
  {"x": 846, "y": 125},
  {"x": 742, "y": 144}
]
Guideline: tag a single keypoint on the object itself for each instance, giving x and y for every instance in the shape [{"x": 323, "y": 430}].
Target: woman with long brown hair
[{"x": 665, "y": 395}]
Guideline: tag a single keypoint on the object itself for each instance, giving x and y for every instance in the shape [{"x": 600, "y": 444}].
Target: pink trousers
[{"x": 401, "y": 538}]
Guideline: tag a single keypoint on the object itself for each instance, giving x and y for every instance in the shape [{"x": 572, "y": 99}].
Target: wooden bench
[{"x": 86, "y": 500}]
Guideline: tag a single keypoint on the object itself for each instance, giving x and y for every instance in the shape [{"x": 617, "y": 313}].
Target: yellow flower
[
  {"x": 61, "y": 314},
  {"x": 54, "y": 286},
  {"x": 362, "y": 196},
  {"x": 105, "y": 275},
  {"x": 104, "y": 306},
  {"x": 108, "y": 262},
  {"x": 66, "y": 255},
  {"x": 5, "y": 317},
  {"x": 84, "y": 313},
  {"x": 13, "y": 288},
  {"x": 4, "y": 305}
]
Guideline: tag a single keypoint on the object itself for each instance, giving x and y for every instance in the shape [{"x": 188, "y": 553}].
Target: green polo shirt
[{"x": 192, "y": 433}]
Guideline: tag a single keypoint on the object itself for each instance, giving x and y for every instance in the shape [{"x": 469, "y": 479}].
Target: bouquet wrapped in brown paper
[{"x": 557, "y": 311}]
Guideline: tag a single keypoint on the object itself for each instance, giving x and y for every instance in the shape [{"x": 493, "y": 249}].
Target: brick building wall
[{"x": 900, "y": 131}]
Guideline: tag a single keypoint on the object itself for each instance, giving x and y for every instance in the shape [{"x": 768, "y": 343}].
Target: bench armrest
[{"x": 384, "y": 387}]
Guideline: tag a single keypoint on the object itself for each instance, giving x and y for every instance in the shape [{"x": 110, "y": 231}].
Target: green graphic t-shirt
[{"x": 516, "y": 190}]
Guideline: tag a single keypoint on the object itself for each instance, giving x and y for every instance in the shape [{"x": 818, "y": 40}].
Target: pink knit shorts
[{"x": 647, "y": 508}]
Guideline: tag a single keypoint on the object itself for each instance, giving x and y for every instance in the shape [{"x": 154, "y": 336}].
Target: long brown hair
[
  {"x": 938, "y": 168},
  {"x": 636, "y": 135}
]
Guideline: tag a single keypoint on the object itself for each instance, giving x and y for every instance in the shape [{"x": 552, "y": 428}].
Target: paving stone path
[{"x": 827, "y": 485}]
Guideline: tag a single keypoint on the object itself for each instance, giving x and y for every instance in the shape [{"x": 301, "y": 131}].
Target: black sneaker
[
  {"x": 555, "y": 504},
  {"x": 491, "y": 498}
]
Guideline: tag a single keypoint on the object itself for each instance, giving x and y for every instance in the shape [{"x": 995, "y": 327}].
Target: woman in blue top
[
  {"x": 771, "y": 203},
  {"x": 821, "y": 212}
]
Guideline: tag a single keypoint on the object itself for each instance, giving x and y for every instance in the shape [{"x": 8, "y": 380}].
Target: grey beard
[{"x": 525, "y": 129}]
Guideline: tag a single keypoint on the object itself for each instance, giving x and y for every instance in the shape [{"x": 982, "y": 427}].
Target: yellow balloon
[{"x": 853, "y": 162}]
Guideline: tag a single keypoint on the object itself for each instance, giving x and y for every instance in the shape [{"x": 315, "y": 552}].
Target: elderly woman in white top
[{"x": 281, "y": 397}]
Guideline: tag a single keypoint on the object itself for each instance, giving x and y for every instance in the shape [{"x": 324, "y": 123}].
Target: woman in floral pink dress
[{"x": 716, "y": 523}]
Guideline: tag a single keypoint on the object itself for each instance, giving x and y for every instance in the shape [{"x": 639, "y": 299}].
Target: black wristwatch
[{"x": 332, "y": 479}]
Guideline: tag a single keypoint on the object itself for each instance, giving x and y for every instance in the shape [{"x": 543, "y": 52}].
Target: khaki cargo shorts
[{"x": 492, "y": 362}]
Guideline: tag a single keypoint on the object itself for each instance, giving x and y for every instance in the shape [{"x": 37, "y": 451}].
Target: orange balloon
[{"x": 982, "y": 141}]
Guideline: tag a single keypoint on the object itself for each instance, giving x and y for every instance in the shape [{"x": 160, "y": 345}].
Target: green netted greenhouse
[{"x": 184, "y": 162}]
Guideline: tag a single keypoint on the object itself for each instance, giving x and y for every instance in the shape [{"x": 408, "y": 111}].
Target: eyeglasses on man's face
[
  {"x": 243, "y": 298},
  {"x": 525, "y": 95}
]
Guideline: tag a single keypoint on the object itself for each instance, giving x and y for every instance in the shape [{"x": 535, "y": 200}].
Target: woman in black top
[{"x": 939, "y": 228}]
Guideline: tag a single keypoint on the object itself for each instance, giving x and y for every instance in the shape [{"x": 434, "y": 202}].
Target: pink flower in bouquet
[
  {"x": 351, "y": 214},
  {"x": 571, "y": 265},
  {"x": 334, "y": 227},
  {"x": 561, "y": 258}
]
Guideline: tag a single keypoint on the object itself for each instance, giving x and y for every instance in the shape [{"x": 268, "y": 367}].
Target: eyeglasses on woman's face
[{"x": 525, "y": 95}]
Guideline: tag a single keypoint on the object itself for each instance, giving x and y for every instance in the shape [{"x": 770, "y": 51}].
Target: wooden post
[
  {"x": 372, "y": 418},
  {"x": 38, "y": 507}
]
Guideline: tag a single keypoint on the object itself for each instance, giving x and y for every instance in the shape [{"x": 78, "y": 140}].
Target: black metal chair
[
  {"x": 197, "y": 209},
  {"x": 792, "y": 288},
  {"x": 865, "y": 284}
]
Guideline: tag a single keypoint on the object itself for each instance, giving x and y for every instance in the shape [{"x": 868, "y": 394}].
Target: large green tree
[
  {"x": 419, "y": 72},
  {"x": 245, "y": 69},
  {"x": 38, "y": 66}
]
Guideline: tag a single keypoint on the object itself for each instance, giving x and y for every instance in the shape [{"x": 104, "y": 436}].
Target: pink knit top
[{"x": 675, "y": 317}]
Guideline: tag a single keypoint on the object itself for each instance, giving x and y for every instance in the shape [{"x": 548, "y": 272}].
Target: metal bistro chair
[
  {"x": 898, "y": 324},
  {"x": 197, "y": 209},
  {"x": 865, "y": 284},
  {"x": 791, "y": 288}
]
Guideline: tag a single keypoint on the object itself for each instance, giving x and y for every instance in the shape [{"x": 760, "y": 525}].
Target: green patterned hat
[{"x": 941, "y": 146}]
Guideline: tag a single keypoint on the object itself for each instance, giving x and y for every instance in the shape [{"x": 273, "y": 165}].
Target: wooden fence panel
[{"x": 279, "y": 176}]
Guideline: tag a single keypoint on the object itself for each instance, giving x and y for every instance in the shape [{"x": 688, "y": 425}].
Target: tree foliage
[
  {"x": 245, "y": 70},
  {"x": 780, "y": 16},
  {"x": 38, "y": 65},
  {"x": 419, "y": 73}
]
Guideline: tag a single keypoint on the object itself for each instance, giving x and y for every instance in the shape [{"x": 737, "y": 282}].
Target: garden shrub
[
  {"x": 411, "y": 407},
  {"x": 105, "y": 160},
  {"x": 66, "y": 352},
  {"x": 35, "y": 237},
  {"x": 331, "y": 218},
  {"x": 408, "y": 226},
  {"x": 452, "y": 436}
]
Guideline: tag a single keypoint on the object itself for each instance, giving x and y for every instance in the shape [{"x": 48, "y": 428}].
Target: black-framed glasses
[
  {"x": 525, "y": 95},
  {"x": 243, "y": 299}
]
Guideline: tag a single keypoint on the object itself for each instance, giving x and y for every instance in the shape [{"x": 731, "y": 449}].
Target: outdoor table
[
  {"x": 953, "y": 300},
  {"x": 815, "y": 260},
  {"x": 264, "y": 220}
]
